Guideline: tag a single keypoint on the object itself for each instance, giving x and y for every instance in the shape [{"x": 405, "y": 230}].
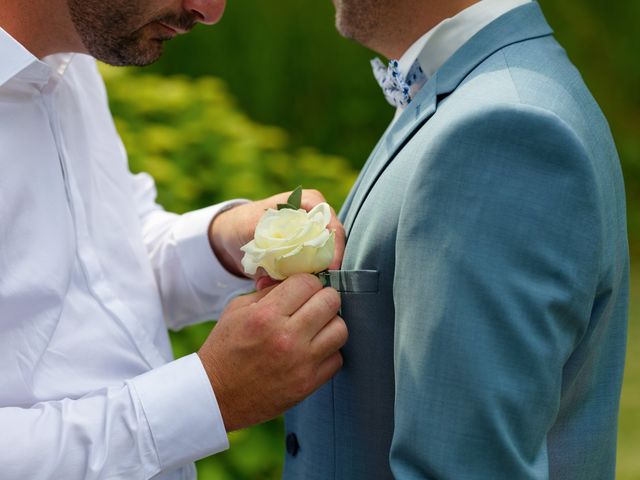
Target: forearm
[
  {"x": 115, "y": 432},
  {"x": 192, "y": 282}
]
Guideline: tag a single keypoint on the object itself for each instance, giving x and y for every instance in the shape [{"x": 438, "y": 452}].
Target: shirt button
[{"x": 292, "y": 444}]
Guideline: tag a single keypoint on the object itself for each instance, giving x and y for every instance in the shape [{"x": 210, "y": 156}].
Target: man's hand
[
  {"x": 273, "y": 348},
  {"x": 232, "y": 229}
]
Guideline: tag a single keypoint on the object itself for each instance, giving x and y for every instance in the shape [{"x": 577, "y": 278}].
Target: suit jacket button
[{"x": 292, "y": 444}]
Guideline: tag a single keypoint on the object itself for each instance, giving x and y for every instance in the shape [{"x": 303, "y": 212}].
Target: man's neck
[
  {"x": 408, "y": 24},
  {"x": 42, "y": 26}
]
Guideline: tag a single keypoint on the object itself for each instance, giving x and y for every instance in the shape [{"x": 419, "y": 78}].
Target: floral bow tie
[{"x": 398, "y": 89}]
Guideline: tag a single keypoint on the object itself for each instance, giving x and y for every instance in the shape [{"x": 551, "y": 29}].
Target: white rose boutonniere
[{"x": 290, "y": 240}]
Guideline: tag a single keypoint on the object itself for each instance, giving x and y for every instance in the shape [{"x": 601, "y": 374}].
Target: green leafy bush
[{"x": 201, "y": 149}]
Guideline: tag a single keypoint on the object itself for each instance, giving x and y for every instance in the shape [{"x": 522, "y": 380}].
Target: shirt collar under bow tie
[{"x": 398, "y": 89}]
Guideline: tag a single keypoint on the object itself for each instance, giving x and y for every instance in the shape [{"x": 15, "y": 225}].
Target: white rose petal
[{"x": 291, "y": 241}]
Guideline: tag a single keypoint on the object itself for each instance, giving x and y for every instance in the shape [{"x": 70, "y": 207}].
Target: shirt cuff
[
  {"x": 182, "y": 412},
  {"x": 200, "y": 263}
]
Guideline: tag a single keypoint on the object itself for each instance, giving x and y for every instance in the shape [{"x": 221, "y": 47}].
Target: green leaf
[
  {"x": 282, "y": 206},
  {"x": 295, "y": 199}
]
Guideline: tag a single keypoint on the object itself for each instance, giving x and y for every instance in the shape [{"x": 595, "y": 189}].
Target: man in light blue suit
[{"x": 485, "y": 277}]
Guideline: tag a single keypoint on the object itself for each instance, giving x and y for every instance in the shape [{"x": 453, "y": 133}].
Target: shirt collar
[
  {"x": 436, "y": 46},
  {"x": 18, "y": 62}
]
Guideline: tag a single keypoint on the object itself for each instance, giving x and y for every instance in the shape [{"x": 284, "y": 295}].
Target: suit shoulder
[
  {"x": 532, "y": 81},
  {"x": 538, "y": 73},
  {"x": 498, "y": 123}
]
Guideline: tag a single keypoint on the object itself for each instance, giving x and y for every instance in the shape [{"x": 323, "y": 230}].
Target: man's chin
[
  {"x": 343, "y": 28},
  {"x": 145, "y": 53},
  {"x": 153, "y": 53},
  {"x": 350, "y": 32}
]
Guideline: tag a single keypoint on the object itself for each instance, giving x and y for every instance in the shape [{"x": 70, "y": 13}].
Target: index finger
[
  {"x": 247, "y": 299},
  {"x": 311, "y": 198},
  {"x": 287, "y": 297}
]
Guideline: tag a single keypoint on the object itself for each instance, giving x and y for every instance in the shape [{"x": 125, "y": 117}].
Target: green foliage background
[
  {"x": 243, "y": 109},
  {"x": 200, "y": 148}
]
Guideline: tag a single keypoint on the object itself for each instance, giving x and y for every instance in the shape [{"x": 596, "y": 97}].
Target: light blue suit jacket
[{"x": 485, "y": 281}]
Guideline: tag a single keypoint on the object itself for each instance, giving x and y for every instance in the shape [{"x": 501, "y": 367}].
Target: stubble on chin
[
  {"x": 358, "y": 20},
  {"x": 119, "y": 34},
  {"x": 138, "y": 49}
]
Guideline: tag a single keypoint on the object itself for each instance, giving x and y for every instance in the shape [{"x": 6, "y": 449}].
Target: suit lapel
[
  {"x": 522, "y": 23},
  {"x": 418, "y": 111},
  {"x": 356, "y": 186}
]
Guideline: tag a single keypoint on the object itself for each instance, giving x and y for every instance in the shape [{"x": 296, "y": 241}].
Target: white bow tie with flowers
[{"x": 398, "y": 89}]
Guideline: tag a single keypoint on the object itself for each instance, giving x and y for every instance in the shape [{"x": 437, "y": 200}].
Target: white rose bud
[{"x": 291, "y": 241}]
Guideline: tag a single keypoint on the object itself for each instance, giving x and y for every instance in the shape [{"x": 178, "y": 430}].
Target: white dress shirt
[
  {"x": 92, "y": 272},
  {"x": 436, "y": 46}
]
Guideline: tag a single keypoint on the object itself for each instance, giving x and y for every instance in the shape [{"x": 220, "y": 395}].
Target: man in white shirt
[
  {"x": 92, "y": 271},
  {"x": 485, "y": 275}
]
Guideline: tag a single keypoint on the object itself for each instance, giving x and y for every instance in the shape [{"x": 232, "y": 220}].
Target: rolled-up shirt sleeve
[
  {"x": 193, "y": 284},
  {"x": 158, "y": 421}
]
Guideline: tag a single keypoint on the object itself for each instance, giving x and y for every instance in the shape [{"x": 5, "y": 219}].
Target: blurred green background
[{"x": 272, "y": 97}]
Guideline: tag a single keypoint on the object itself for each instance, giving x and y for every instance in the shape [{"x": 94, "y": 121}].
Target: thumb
[{"x": 265, "y": 282}]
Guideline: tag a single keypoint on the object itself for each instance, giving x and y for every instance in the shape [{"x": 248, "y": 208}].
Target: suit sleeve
[{"x": 496, "y": 265}]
